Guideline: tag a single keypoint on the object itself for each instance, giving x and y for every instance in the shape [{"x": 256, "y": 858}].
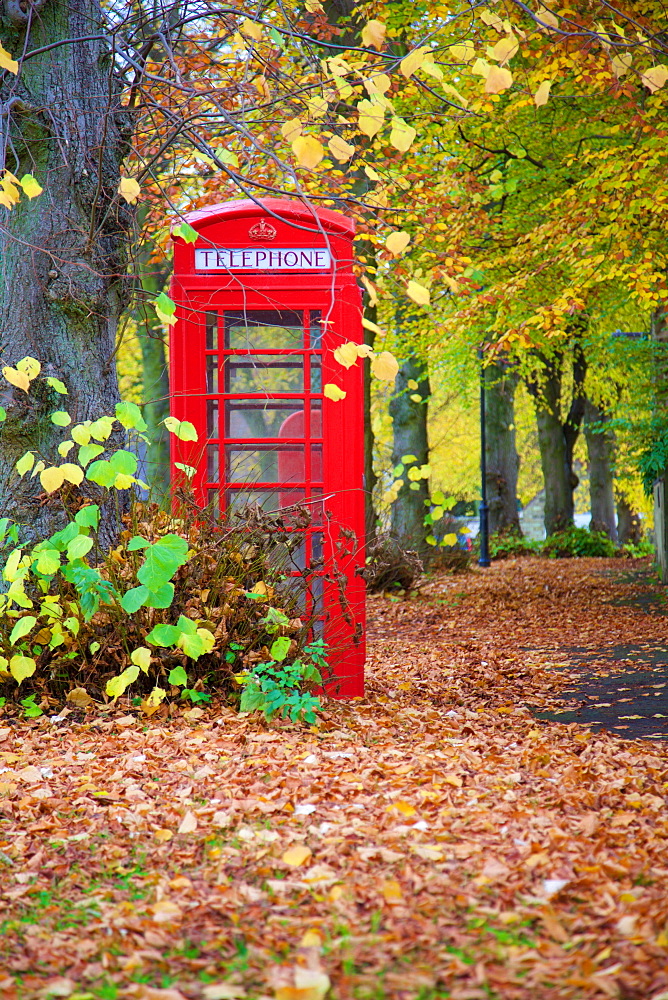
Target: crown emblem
[{"x": 262, "y": 230}]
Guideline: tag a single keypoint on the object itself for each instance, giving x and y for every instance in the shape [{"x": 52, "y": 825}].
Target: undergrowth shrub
[
  {"x": 181, "y": 606},
  {"x": 573, "y": 542},
  {"x": 509, "y": 544}
]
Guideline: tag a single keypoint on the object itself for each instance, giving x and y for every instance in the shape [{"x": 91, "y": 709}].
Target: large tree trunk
[
  {"x": 62, "y": 254},
  {"x": 409, "y": 429},
  {"x": 557, "y": 437},
  {"x": 601, "y": 451},
  {"x": 502, "y": 460}
]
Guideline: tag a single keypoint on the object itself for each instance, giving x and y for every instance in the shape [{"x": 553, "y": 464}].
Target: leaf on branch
[
  {"x": 371, "y": 118},
  {"x": 116, "y": 686},
  {"x": 346, "y": 354},
  {"x": 308, "y": 150},
  {"x": 492, "y": 19},
  {"x": 129, "y": 189},
  {"x": 542, "y": 94},
  {"x": 165, "y": 309},
  {"x": 340, "y": 149},
  {"x": 373, "y": 34},
  {"x": 461, "y": 101},
  {"x": 61, "y": 418},
  {"x": 412, "y": 62},
  {"x": 655, "y": 78},
  {"x": 25, "y": 463},
  {"x": 402, "y": 135},
  {"x": 385, "y": 366},
  {"x": 464, "y": 52},
  {"x": 498, "y": 80},
  {"x": 291, "y": 129},
  {"x": 481, "y": 68},
  {"x": 29, "y": 366},
  {"x": 621, "y": 64},
  {"x": 52, "y": 478},
  {"x": 505, "y": 49},
  {"x": 186, "y": 232},
  {"x": 547, "y": 17},
  {"x": 251, "y": 30},
  {"x": 397, "y": 242},
  {"x": 30, "y": 186},
  {"x": 333, "y": 392},
  {"x": 72, "y": 473},
  {"x": 21, "y": 667},
  {"x": 141, "y": 657},
  {"x": 16, "y": 378},
  {"x": 22, "y": 627},
  {"x": 57, "y": 385},
  {"x": 182, "y": 429},
  {"x": 418, "y": 293},
  {"x": 6, "y": 61}
]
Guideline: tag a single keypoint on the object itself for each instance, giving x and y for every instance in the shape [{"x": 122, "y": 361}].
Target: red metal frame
[{"x": 318, "y": 446}]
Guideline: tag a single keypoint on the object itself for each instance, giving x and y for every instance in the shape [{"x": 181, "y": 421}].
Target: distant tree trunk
[
  {"x": 62, "y": 254},
  {"x": 601, "y": 452},
  {"x": 629, "y": 525},
  {"x": 409, "y": 429},
  {"x": 557, "y": 437},
  {"x": 501, "y": 452}
]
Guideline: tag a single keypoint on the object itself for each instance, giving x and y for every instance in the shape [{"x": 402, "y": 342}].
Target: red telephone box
[{"x": 264, "y": 297}]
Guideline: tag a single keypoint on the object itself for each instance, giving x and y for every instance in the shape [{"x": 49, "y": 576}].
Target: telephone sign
[{"x": 264, "y": 297}]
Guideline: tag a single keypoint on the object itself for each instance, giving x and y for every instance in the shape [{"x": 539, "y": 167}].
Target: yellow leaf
[
  {"x": 17, "y": 378},
  {"x": 6, "y": 61},
  {"x": 164, "y": 911},
  {"x": 79, "y": 697},
  {"x": 372, "y": 174},
  {"x": 621, "y": 64},
  {"x": 291, "y": 129},
  {"x": 371, "y": 117},
  {"x": 378, "y": 84},
  {"x": 430, "y": 852},
  {"x": 542, "y": 94},
  {"x": 309, "y": 984},
  {"x": 21, "y": 667},
  {"x": 363, "y": 350},
  {"x": 311, "y": 939},
  {"x": 505, "y": 49},
  {"x": 72, "y": 473},
  {"x": 163, "y": 835},
  {"x": 152, "y": 702},
  {"x": 368, "y": 325},
  {"x": 317, "y": 107},
  {"x": 123, "y": 481},
  {"x": 397, "y": 242},
  {"x": 655, "y": 77},
  {"x": 141, "y": 657},
  {"x": 432, "y": 69},
  {"x": 418, "y": 293},
  {"x": 333, "y": 392},
  {"x": 188, "y": 823},
  {"x": 340, "y": 149},
  {"x": 450, "y": 539},
  {"x": 308, "y": 150},
  {"x": 29, "y": 366},
  {"x": 392, "y": 893},
  {"x": 463, "y": 52},
  {"x": 498, "y": 79},
  {"x": 371, "y": 291},
  {"x": 412, "y": 384},
  {"x": 346, "y": 354},
  {"x": 373, "y": 34},
  {"x": 402, "y": 135},
  {"x": 405, "y": 808},
  {"x": 546, "y": 17},
  {"x": 493, "y": 20},
  {"x": 461, "y": 101},
  {"x": 52, "y": 478},
  {"x": 129, "y": 189},
  {"x": 115, "y": 686},
  {"x": 297, "y": 855},
  {"x": 385, "y": 366},
  {"x": 412, "y": 62},
  {"x": 313, "y": 6},
  {"x": 251, "y": 29},
  {"x": 80, "y": 434},
  {"x": 481, "y": 68},
  {"x": 30, "y": 186},
  {"x": 64, "y": 448}
]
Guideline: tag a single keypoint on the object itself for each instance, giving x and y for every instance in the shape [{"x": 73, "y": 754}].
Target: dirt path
[{"x": 431, "y": 841}]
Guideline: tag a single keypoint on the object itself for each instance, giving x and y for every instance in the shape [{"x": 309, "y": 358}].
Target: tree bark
[
  {"x": 557, "y": 437},
  {"x": 501, "y": 452},
  {"x": 409, "y": 429},
  {"x": 601, "y": 452},
  {"x": 629, "y": 525},
  {"x": 62, "y": 254}
]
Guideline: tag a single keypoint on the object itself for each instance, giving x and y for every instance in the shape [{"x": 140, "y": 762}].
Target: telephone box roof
[{"x": 286, "y": 210}]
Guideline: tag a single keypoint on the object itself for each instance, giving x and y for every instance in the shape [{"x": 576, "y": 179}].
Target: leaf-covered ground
[{"x": 432, "y": 840}]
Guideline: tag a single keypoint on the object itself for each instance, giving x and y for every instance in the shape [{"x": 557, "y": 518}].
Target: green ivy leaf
[
  {"x": 133, "y": 599},
  {"x": 22, "y": 627},
  {"x": 56, "y": 384},
  {"x": 164, "y": 635},
  {"x": 182, "y": 429},
  {"x": 88, "y": 517},
  {"x": 280, "y": 648},
  {"x": 178, "y": 676},
  {"x": 186, "y": 232},
  {"x": 130, "y": 416},
  {"x": 79, "y": 547},
  {"x": 163, "y": 558},
  {"x": 61, "y": 418}
]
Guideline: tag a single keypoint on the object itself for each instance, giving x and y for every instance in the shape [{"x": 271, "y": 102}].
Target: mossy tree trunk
[
  {"x": 62, "y": 254},
  {"x": 601, "y": 453},
  {"x": 409, "y": 437},
  {"x": 557, "y": 435},
  {"x": 502, "y": 460}
]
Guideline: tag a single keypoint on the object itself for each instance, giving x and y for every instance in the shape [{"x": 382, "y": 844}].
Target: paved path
[{"x": 628, "y": 692}]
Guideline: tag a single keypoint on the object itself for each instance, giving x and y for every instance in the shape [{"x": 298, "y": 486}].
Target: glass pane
[
  {"x": 268, "y": 500},
  {"x": 212, "y": 462},
  {"x": 315, "y": 590},
  {"x": 316, "y": 506},
  {"x": 212, "y": 331},
  {"x": 255, "y": 419},
  {"x": 316, "y": 548},
  {"x": 289, "y": 556},
  {"x": 212, "y": 418},
  {"x": 211, "y": 373},
  {"x": 266, "y": 373},
  {"x": 213, "y": 503},
  {"x": 316, "y": 463},
  {"x": 316, "y": 418},
  {"x": 265, "y": 465},
  {"x": 315, "y": 329},
  {"x": 255, "y": 329},
  {"x": 316, "y": 374}
]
